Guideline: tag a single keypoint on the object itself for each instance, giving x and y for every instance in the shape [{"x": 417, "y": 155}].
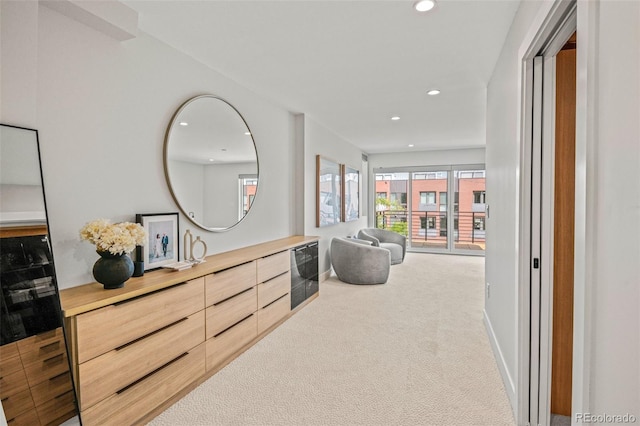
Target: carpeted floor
[{"x": 413, "y": 351}]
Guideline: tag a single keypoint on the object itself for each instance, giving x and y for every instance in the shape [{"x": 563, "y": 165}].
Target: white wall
[
  {"x": 613, "y": 190},
  {"x": 318, "y": 140},
  {"x": 102, "y": 107},
  {"x": 187, "y": 179},
  {"x": 612, "y": 175},
  {"x": 502, "y": 165},
  {"x": 221, "y": 188}
]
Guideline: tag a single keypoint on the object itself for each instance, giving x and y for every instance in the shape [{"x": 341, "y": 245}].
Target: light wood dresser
[{"x": 137, "y": 350}]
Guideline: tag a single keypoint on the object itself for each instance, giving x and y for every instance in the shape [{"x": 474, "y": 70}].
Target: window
[
  {"x": 428, "y": 197},
  {"x": 400, "y": 197},
  {"x": 443, "y": 226},
  {"x": 443, "y": 201},
  {"x": 478, "y": 197},
  {"x": 381, "y": 195},
  {"x": 428, "y": 222},
  {"x": 478, "y": 223}
]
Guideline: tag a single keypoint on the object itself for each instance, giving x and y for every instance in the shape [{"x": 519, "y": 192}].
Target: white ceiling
[{"x": 351, "y": 65}]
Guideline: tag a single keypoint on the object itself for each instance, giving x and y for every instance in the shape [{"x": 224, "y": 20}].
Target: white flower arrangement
[{"x": 116, "y": 238}]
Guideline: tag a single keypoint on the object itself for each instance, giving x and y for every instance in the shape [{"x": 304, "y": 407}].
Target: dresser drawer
[
  {"x": 11, "y": 384},
  {"x": 133, "y": 403},
  {"x": 222, "y": 285},
  {"x": 221, "y": 347},
  {"x": 10, "y": 365},
  {"x": 17, "y": 404},
  {"x": 273, "y": 313},
  {"x": 44, "y": 351},
  {"x": 39, "y": 371},
  {"x": 49, "y": 389},
  {"x": 273, "y": 289},
  {"x": 60, "y": 406},
  {"x": 115, "y": 370},
  {"x": 224, "y": 314},
  {"x": 8, "y": 351},
  {"x": 274, "y": 265},
  {"x": 28, "y": 418},
  {"x": 43, "y": 341},
  {"x": 110, "y": 327}
]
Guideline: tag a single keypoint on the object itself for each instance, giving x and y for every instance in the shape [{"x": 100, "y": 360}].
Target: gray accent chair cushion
[
  {"x": 359, "y": 262},
  {"x": 392, "y": 241}
]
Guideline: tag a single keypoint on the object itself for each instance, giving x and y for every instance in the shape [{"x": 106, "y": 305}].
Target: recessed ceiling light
[
  {"x": 184, "y": 123},
  {"x": 247, "y": 133},
  {"x": 424, "y": 5},
  {"x": 411, "y": 145},
  {"x": 433, "y": 92},
  {"x": 395, "y": 118},
  {"x": 211, "y": 159}
]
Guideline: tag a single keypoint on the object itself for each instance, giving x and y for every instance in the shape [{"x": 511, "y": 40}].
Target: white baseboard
[
  {"x": 325, "y": 275},
  {"x": 507, "y": 380}
]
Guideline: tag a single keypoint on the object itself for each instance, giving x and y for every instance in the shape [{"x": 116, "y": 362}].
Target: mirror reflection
[
  {"x": 211, "y": 163},
  {"x": 31, "y": 338}
]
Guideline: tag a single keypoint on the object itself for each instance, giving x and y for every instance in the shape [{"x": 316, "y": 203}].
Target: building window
[
  {"x": 478, "y": 223},
  {"x": 399, "y": 197},
  {"x": 427, "y": 223},
  {"x": 478, "y": 197},
  {"x": 381, "y": 195},
  {"x": 428, "y": 197},
  {"x": 443, "y": 226},
  {"x": 443, "y": 201}
]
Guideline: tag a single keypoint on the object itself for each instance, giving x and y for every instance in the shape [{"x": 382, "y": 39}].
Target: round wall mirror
[{"x": 211, "y": 163}]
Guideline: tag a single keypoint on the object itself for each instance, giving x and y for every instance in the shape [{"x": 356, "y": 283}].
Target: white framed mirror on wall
[{"x": 211, "y": 163}]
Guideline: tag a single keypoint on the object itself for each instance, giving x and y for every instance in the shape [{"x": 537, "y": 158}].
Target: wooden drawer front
[
  {"x": 273, "y": 313},
  {"x": 224, "y": 314},
  {"x": 56, "y": 408},
  {"x": 10, "y": 365},
  {"x": 39, "y": 371},
  {"x": 28, "y": 418},
  {"x": 17, "y": 404},
  {"x": 274, "y": 265},
  {"x": 113, "y": 371},
  {"x": 13, "y": 383},
  {"x": 8, "y": 351},
  {"x": 273, "y": 289},
  {"x": 49, "y": 389},
  {"x": 110, "y": 327},
  {"x": 232, "y": 281},
  {"x": 220, "y": 348},
  {"x": 40, "y": 341},
  {"x": 45, "y": 351},
  {"x": 135, "y": 402}
]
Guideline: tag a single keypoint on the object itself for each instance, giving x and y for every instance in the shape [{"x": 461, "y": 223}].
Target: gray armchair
[
  {"x": 392, "y": 241},
  {"x": 359, "y": 262}
]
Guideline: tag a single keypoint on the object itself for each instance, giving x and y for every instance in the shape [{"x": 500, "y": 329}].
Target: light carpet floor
[{"x": 413, "y": 351}]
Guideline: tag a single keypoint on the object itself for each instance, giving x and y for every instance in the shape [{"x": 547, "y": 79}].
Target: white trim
[
  {"x": 586, "y": 131},
  {"x": 551, "y": 17},
  {"x": 510, "y": 386}
]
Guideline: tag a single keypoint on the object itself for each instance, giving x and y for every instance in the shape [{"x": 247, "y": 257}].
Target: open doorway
[{"x": 547, "y": 220}]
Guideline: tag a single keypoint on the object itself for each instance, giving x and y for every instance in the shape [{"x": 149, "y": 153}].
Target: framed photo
[
  {"x": 163, "y": 245},
  {"x": 350, "y": 193},
  {"x": 328, "y": 192}
]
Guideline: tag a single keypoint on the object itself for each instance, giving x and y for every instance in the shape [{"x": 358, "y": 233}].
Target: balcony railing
[{"x": 429, "y": 228}]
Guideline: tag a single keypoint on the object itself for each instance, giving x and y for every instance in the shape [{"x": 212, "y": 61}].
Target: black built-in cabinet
[{"x": 304, "y": 273}]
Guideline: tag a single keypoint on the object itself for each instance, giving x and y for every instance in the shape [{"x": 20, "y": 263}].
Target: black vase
[{"x": 112, "y": 270}]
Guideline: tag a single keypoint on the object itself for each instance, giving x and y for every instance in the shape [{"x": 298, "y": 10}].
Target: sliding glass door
[{"x": 416, "y": 202}]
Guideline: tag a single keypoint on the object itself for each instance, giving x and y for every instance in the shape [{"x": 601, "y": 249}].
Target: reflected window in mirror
[{"x": 211, "y": 163}]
